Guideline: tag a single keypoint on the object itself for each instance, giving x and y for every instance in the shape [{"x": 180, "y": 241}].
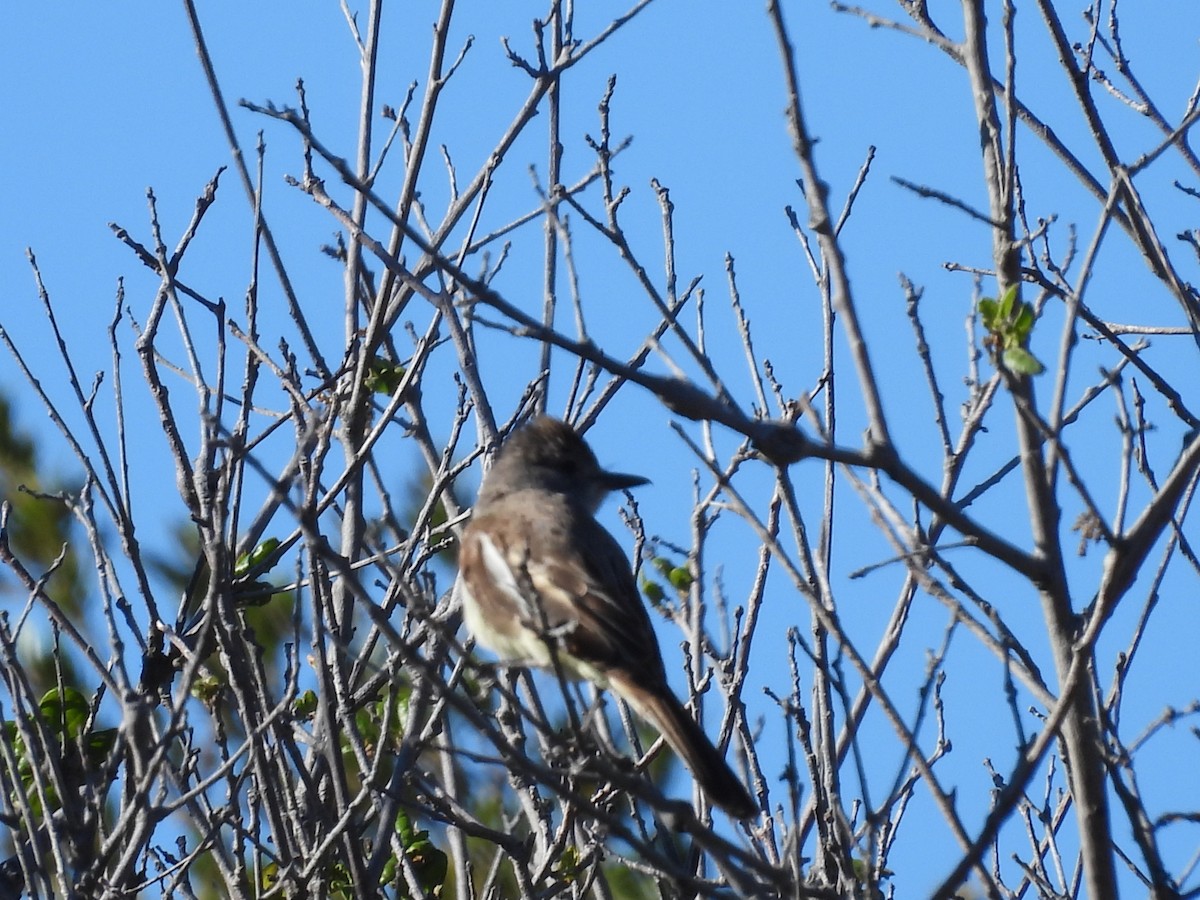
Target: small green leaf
[
  {"x": 66, "y": 714},
  {"x": 1009, "y": 322},
  {"x": 663, "y": 564},
  {"x": 862, "y": 870},
  {"x": 653, "y": 591},
  {"x": 391, "y": 869},
  {"x": 1006, "y": 303},
  {"x": 207, "y": 689},
  {"x": 569, "y": 865},
  {"x": 305, "y": 706},
  {"x": 987, "y": 312},
  {"x": 430, "y": 864},
  {"x": 404, "y": 827},
  {"x": 1021, "y": 361},
  {"x": 680, "y": 578},
  {"x": 252, "y": 559},
  {"x": 1024, "y": 322},
  {"x": 383, "y": 376},
  {"x": 340, "y": 882}
]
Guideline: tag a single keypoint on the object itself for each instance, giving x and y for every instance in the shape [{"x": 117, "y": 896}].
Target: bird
[{"x": 543, "y": 584}]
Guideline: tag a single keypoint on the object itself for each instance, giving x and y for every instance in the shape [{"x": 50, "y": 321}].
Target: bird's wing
[
  {"x": 590, "y": 582},
  {"x": 544, "y": 569}
]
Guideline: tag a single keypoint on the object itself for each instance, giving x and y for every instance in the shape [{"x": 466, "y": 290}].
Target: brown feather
[{"x": 535, "y": 566}]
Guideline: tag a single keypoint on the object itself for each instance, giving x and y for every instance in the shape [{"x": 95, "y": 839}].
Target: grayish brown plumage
[{"x": 538, "y": 571}]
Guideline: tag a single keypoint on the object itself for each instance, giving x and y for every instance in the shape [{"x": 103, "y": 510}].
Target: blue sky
[{"x": 100, "y": 102}]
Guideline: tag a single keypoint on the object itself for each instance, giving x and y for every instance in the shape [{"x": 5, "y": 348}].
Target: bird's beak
[{"x": 618, "y": 481}]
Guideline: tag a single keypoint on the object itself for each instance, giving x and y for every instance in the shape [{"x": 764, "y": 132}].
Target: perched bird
[{"x": 537, "y": 571}]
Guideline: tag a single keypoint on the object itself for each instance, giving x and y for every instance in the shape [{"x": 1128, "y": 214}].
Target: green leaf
[
  {"x": 383, "y": 376},
  {"x": 680, "y": 578},
  {"x": 987, "y": 312},
  {"x": 569, "y": 864},
  {"x": 255, "y": 557},
  {"x": 305, "y": 706},
  {"x": 390, "y": 872},
  {"x": 862, "y": 869},
  {"x": 663, "y": 564},
  {"x": 1021, "y": 361},
  {"x": 1006, "y": 303},
  {"x": 270, "y": 875},
  {"x": 340, "y": 882},
  {"x": 1023, "y": 323},
  {"x": 430, "y": 864},
  {"x": 66, "y": 714},
  {"x": 404, "y": 828},
  {"x": 653, "y": 591},
  {"x": 207, "y": 689},
  {"x": 1009, "y": 322}
]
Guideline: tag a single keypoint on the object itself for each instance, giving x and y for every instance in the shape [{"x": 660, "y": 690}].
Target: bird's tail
[{"x": 712, "y": 773}]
